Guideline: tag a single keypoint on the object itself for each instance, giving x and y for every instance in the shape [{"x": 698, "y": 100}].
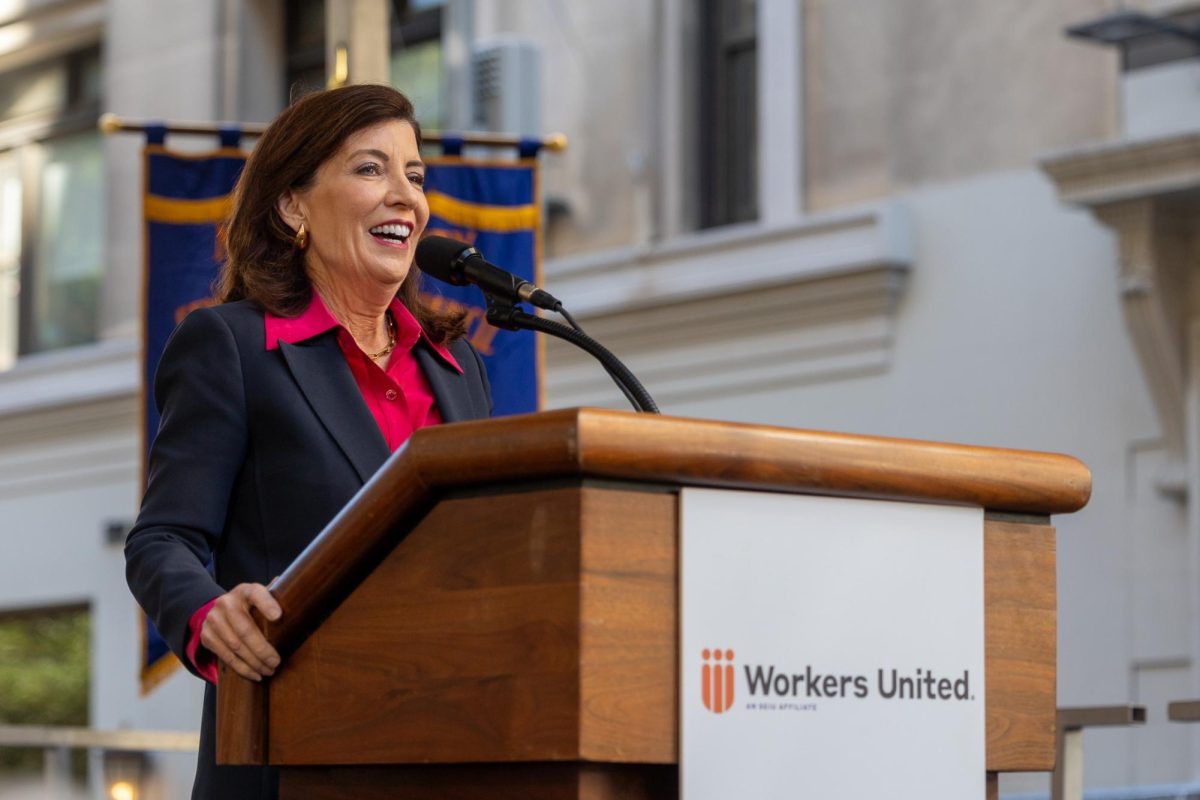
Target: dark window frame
[
  {"x": 727, "y": 159},
  {"x": 304, "y": 59}
]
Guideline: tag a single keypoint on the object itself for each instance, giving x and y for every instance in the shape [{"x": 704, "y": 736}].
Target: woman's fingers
[
  {"x": 261, "y": 598},
  {"x": 251, "y": 646},
  {"x": 238, "y": 651},
  {"x": 232, "y": 635},
  {"x": 214, "y": 636}
]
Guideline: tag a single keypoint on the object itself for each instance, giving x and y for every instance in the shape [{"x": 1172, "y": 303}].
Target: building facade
[{"x": 923, "y": 218}]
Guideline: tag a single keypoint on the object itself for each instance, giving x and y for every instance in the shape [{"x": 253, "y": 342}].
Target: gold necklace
[{"x": 391, "y": 326}]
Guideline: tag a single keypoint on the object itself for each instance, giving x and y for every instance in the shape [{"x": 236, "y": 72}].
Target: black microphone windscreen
[{"x": 436, "y": 256}]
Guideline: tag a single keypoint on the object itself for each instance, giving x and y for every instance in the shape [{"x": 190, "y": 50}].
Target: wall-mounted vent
[{"x": 506, "y": 78}]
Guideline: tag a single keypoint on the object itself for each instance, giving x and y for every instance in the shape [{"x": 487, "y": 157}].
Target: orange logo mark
[
  {"x": 716, "y": 680},
  {"x": 480, "y": 332}
]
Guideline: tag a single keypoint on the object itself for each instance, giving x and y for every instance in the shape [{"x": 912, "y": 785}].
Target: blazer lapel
[
  {"x": 448, "y": 385},
  {"x": 320, "y": 370}
]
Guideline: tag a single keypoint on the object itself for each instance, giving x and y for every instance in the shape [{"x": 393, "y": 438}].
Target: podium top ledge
[
  {"x": 673, "y": 451},
  {"x": 622, "y": 445}
]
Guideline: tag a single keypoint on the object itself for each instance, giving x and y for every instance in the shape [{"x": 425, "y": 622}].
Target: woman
[{"x": 280, "y": 403}]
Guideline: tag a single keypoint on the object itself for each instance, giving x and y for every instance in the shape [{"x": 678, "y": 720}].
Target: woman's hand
[{"x": 231, "y": 635}]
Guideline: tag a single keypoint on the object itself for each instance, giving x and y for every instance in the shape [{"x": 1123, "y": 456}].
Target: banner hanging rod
[{"x": 111, "y": 123}]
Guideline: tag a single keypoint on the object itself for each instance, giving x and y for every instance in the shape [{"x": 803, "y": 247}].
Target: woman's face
[{"x": 365, "y": 210}]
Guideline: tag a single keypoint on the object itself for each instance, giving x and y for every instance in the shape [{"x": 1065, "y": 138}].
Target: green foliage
[{"x": 43, "y": 675}]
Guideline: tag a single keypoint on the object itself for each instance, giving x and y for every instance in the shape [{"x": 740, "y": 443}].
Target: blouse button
[{"x": 391, "y": 394}]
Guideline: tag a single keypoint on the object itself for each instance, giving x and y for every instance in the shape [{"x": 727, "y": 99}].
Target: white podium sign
[{"x": 830, "y": 648}]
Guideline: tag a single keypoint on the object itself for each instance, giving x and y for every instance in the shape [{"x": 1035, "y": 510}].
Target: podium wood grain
[
  {"x": 537, "y": 626},
  {"x": 1020, "y": 646},
  {"x": 242, "y": 710}
]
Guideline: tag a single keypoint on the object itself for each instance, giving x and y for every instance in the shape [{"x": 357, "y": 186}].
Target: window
[
  {"x": 44, "y": 674},
  {"x": 10, "y": 256},
  {"x": 728, "y": 122},
  {"x": 51, "y": 205},
  {"x": 68, "y": 243},
  {"x": 416, "y": 67}
]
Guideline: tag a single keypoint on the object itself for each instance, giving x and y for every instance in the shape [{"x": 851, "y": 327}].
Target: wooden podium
[{"x": 495, "y": 614}]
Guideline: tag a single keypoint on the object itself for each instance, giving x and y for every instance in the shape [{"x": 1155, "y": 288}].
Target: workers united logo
[{"x": 716, "y": 680}]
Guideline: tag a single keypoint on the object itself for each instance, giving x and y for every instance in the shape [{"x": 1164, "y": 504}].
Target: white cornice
[
  {"x": 74, "y": 376},
  {"x": 102, "y": 450},
  {"x": 1116, "y": 171},
  {"x": 1144, "y": 190},
  {"x": 70, "y": 418},
  {"x": 736, "y": 310}
]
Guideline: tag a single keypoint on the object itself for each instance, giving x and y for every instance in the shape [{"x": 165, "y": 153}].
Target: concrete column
[
  {"x": 1067, "y": 781},
  {"x": 359, "y": 29},
  {"x": 780, "y": 111},
  {"x": 57, "y": 771},
  {"x": 228, "y": 64}
]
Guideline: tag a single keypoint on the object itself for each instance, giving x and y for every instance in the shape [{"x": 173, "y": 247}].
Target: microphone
[{"x": 459, "y": 264}]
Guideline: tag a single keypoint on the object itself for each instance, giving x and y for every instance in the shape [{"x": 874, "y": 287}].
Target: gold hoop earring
[{"x": 300, "y": 240}]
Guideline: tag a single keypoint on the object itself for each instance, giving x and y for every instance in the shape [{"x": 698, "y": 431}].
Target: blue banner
[
  {"x": 186, "y": 201},
  {"x": 493, "y": 206}
]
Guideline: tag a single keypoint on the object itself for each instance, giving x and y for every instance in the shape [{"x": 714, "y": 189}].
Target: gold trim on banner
[
  {"x": 498, "y": 219},
  {"x": 186, "y": 212}
]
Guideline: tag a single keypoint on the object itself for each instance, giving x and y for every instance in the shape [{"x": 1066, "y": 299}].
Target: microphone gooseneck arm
[
  {"x": 503, "y": 314},
  {"x": 633, "y": 401}
]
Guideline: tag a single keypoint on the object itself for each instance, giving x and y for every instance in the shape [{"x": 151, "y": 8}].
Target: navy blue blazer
[{"x": 256, "y": 451}]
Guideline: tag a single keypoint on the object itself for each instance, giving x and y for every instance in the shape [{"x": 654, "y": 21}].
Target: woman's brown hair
[{"x": 263, "y": 263}]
